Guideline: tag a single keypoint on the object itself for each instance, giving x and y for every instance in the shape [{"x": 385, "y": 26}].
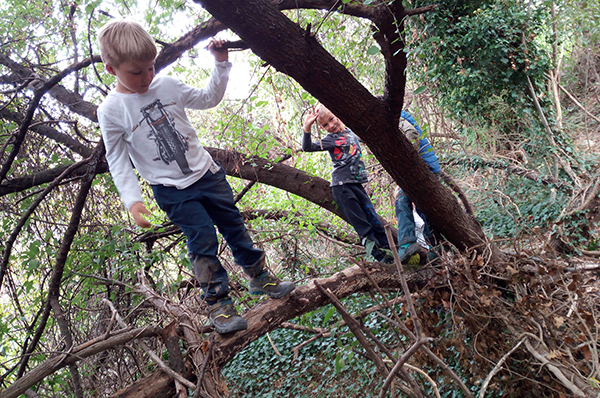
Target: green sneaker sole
[{"x": 415, "y": 259}]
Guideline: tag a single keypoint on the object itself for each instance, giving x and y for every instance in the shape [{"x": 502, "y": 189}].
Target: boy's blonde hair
[
  {"x": 323, "y": 113},
  {"x": 124, "y": 41}
]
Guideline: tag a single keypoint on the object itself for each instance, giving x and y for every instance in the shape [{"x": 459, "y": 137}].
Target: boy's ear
[{"x": 110, "y": 69}]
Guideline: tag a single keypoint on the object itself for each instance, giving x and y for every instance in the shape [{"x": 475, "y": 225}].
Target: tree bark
[{"x": 236, "y": 164}]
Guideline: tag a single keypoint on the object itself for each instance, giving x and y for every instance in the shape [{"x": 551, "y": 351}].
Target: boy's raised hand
[
  {"x": 136, "y": 210},
  {"x": 216, "y": 48},
  {"x": 311, "y": 117}
]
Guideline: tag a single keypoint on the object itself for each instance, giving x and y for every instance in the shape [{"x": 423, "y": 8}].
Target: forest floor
[{"x": 546, "y": 305}]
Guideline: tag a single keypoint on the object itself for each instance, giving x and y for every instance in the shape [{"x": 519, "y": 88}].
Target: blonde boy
[
  {"x": 347, "y": 177},
  {"x": 143, "y": 121}
]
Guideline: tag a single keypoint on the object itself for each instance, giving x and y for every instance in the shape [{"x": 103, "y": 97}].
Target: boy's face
[
  {"x": 330, "y": 123},
  {"x": 133, "y": 77}
]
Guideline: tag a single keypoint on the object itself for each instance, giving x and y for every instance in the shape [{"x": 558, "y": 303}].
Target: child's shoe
[
  {"x": 224, "y": 317},
  {"x": 411, "y": 253},
  {"x": 388, "y": 259},
  {"x": 266, "y": 283}
]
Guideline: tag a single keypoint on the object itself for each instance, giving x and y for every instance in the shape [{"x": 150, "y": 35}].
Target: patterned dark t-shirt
[{"x": 345, "y": 153}]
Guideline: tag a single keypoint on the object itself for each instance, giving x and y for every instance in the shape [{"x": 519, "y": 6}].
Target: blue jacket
[{"x": 425, "y": 149}]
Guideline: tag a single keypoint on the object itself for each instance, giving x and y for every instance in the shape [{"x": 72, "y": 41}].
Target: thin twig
[
  {"x": 498, "y": 367},
  {"x": 409, "y": 301},
  {"x": 401, "y": 362},
  {"x": 324, "y": 18},
  {"x": 273, "y": 345}
]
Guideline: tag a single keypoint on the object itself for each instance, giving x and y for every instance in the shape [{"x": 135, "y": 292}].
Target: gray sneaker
[
  {"x": 267, "y": 284},
  {"x": 224, "y": 317}
]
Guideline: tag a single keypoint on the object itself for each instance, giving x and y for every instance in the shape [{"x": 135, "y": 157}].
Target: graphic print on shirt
[
  {"x": 347, "y": 152},
  {"x": 171, "y": 144}
]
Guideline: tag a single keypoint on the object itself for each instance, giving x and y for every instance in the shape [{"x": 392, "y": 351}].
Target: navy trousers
[
  {"x": 197, "y": 209},
  {"x": 356, "y": 206}
]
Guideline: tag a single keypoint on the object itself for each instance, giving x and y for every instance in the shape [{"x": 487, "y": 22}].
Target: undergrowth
[
  {"x": 327, "y": 367},
  {"x": 475, "y": 316}
]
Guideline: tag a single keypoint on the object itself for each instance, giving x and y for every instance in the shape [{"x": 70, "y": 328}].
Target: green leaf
[
  {"x": 373, "y": 50},
  {"x": 420, "y": 90},
  {"x": 328, "y": 315},
  {"x": 339, "y": 363}
]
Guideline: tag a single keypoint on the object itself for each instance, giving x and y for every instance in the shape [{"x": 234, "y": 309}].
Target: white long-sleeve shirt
[{"x": 152, "y": 131}]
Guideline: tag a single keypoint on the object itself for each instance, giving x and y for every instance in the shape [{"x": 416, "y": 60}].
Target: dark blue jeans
[
  {"x": 356, "y": 206},
  {"x": 406, "y": 221},
  {"x": 197, "y": 209}
]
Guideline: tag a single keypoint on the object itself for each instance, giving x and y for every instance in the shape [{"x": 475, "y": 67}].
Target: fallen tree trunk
[{"x": 270, "y": 314}]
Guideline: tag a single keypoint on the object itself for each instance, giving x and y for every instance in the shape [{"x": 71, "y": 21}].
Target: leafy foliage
[
  {"x": 329, "y": 367},
  {"x": 479, "y": 50}
]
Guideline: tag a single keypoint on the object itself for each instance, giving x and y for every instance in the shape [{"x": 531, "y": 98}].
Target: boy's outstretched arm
[
  {"x": 310, "y": 118},
  {"x": 216, "y": 48},
  {"x": 307, "y": 144},
  {"x": 136, "y": 210}
]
